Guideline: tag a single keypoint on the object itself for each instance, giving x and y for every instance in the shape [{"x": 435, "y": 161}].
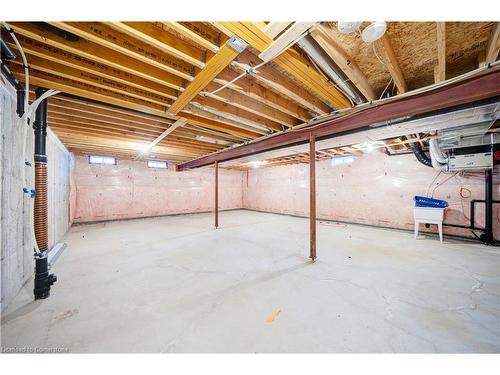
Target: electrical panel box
[{"x": 479, "y": 157}]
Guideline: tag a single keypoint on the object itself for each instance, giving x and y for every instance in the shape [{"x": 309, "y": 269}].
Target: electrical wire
[
  {"x": 253, "y": 69},
  {"x": 25, "y": 63},
  {"x": 441, "y": 183},
  {"x": 383, "y": 92},
  {"x": 376, "y": 54},
  {"x": 432, "y": 182}
]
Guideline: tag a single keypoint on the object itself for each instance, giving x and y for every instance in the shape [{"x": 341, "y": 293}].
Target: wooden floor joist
[
  {"x": 244, "y": 102},
  {"x": 130, "y": 81},
  {"x": 252, "y": 89},
  {"x": 84, "y": 64},
  {"x": 440, "y": 73},
  {"x": 180, "y": 122},
  {"x": 105, "y": 96},
  {"x": 110, "y": 38},
  {"x": 95, "y": 52},
  {"x": 325, "y": 38},
  {"x": 384, "y": 47},
  {"x": 276, "y": 81},
  {"x": 493, "y": 47},
  {"x": 186, "y": 32},
  {"x": 290, "y": 62},
  {"x": 215, "y": 65},
  {"x": 273, "y": 29},
  {"x": 285, "y": 40},
  {"x": 148, "y": 33},
  {"x": 162, "y": 98}
]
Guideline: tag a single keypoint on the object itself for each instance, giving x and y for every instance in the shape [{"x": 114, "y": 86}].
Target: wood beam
[
  {"x": 60, "y": 70},
  {"x": 276, "y": 81},
  {"x": 493, "y": 47},
  {"x": 228, "y": 102},
  {"x": 214, "y": 66},
  {"x": 480, "y": 87},
  {"x": 285, "y": 40},
  {"x": 291, "y": 62},
  {"x": 120, "y": 42},
  {"x": 440, "y": 73},
  {"x": 189, "y": 149},
  {"x": 83, "y": 64},
  {"x": 253, "y": 90},
  {"x": 198, "y": 119},
  {"x": 86, "y": 120},
  {"x": 90, "y": 113},
  {"x": 383, "y": 45},
  {"x": 238, "y": 117},
  {"x": 191, "y": 35},
  {"x": 98, "y": 54},
  {"x": 273, "y": 29},
  {"x": 326, "y": 39},
  {"x": 73, "y": 87},
  {"x": 246, "y": 103},
  {"x": 180, "y": 122},
  {"x": 148, "y": 33},
  {"x": 115, "y": 143},
  {"x": 113, "y": 98},
  {"x": 209, "y": 120}
]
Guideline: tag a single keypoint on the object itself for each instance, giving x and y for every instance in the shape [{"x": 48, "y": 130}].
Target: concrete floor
[{"x": 173, "y": 284}]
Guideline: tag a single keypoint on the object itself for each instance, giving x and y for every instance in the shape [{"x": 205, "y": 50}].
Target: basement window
[
  {"x": 157, "y": 164},
  {"x": 339, "y": 160},
  {"x": 107, "y": 160}
]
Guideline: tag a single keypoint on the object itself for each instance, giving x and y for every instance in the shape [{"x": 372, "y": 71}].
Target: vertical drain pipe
[
  {"x": 488, "y": 209},
  {"x": 312, "y": 197},
  {"x": 43, "y": 280},
  {"x": 216, "y": 203}
]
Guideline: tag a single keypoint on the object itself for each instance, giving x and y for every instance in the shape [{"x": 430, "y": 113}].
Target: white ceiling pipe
[
  {"x": 438, "y": 161},
  {"x": 318, "y": 56}
]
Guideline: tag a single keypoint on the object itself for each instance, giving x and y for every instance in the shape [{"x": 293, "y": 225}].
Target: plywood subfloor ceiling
[{"x": 124, "y": 84}]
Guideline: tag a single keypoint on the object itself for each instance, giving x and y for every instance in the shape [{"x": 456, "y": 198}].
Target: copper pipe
[
  {"x": 216, "y": 203},
  {"x": 312, "y": 197},
  {"x": 40, "y": 211}
]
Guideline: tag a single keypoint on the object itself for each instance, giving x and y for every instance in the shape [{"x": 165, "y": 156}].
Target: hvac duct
[
  {"x": 420, "y": 154},
  {"x": 319, "y": 57},
  {"x": 439, "y": 162}
]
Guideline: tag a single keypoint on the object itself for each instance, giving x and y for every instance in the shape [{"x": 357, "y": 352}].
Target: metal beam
[
  {"x": 216, "y": 193},
  {"x": 482, "y": 86},
  {"x": 312, "y": 197}
]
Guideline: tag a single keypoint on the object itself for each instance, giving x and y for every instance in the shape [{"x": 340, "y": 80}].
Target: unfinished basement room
[{"x": 250, "y": 187}]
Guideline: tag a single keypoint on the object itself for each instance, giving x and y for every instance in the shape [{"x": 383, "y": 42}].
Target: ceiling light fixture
[
  {"x": 374, "y": 31},
  {"x": 348, "y": 27},
  {"x": 256, "y": 163}
]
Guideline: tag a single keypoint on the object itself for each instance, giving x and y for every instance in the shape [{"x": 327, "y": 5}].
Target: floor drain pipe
[{"x": 43, "y": 280}]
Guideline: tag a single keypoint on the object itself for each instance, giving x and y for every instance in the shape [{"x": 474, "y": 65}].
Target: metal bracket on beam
[{"x": 237, "y": 44}]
